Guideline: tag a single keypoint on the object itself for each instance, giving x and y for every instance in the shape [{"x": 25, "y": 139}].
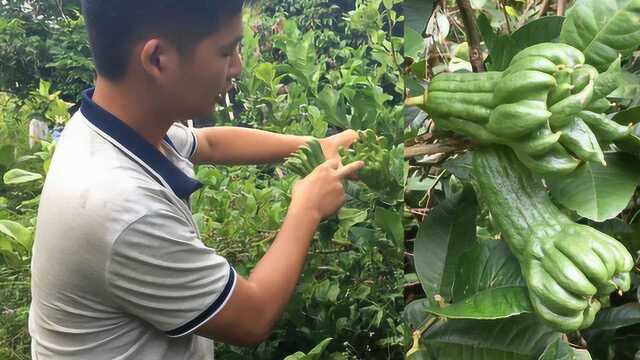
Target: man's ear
[{"x": 158, "y": 57}]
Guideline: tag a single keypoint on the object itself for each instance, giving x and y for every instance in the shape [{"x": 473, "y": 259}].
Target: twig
[
  {"x": 393, "y": 49},
  {"x": 506, "y": 16},
  {"x": 417, "y": 335},
  {"x": 428, "y": 149},
  {"x": 523, "y": 20},
  {"x": 61, "y": 8},
  {"x": 561, "y": 7},
  {"x": 473, "y": 36},
  {"x": 543, "y": 9},
  {"x": 427, "y": 196}
]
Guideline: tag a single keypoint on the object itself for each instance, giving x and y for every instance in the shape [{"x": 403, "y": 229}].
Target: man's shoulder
[{"x": 97, "y": 183}]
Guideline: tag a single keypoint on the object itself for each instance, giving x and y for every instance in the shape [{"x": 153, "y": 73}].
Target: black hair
[{"x": 114, "y": 26}]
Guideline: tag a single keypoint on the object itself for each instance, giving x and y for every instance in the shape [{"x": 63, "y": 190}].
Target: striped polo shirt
[{"x": 118, "y": 268}]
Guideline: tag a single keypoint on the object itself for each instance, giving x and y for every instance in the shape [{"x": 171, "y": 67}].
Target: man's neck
[{"x": 135, "y": 107}]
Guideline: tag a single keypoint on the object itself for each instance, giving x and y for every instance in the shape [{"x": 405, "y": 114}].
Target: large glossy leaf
[
  {"x": 502, "y": 48},
  {"x": 627, "y": 234},
  {"x": 415, "y": 313},
  {"x": 489, "y": 264},
  {"x": 493, "y": 303},
  {"x": 561, "y": 350},
  {"x": 514, "y": 338},
  {"x": 628, "y": 116},
  {"x": 603, "y": 29},
  {"x": 417, "y": 14},
  {"x": 447, "y": 232},
  {"x": 617, "y": 317},
  {"x": 19, "y": 176},
  {"x": 598, "y": 192}
]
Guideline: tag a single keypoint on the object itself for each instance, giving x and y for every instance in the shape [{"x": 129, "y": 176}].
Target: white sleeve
[
  {"x": 183, "y": 139},
  {"x": 161, "y": 272}
]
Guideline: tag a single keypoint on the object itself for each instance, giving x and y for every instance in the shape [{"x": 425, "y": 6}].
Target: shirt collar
[{"x": 181, "y": 184}]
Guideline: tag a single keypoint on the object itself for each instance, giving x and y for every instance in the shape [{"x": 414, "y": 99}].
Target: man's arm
[
  {"x": 234, "y": 145},
  {"x": 259, "y": 301}
]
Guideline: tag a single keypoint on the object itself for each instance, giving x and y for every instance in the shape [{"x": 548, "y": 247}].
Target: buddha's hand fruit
[{"x": 567, "y": 266}]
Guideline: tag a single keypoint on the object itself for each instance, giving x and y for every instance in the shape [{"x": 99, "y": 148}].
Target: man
[{"x": 119, "y": 271}]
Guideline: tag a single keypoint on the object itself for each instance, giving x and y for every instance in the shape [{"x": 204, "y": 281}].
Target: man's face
[{"x": 207, "y": 72}]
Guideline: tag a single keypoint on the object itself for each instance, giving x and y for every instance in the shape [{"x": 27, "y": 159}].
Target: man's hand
[
  {"x": 321, "y": 193},
  {"x": 332, "y": 144}
]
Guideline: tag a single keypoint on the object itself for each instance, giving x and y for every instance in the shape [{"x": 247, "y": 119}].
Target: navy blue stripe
[
  {"x": 168, "y": 140},
  {"x": 193, "y": 145},
  {"x": 209, "y": 311},
  {"x": 181, "y": 184}
]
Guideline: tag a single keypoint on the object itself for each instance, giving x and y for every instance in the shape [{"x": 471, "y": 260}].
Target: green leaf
[
  {"x": 488, "y": 264},
  {"x": 627, "y": 234},
  {"x": 414, "y": 183},
  {"x": 17, "y": 233},
  {"x": 460, "y": 166},
  {"x": 415, "y": 313},
  {"x": 349, "y": 217},
  {"x": 598, "y": 192},
  {"x": 494, "y": 303},
  {"x": 417, "y": 13},
  {"x": 446, "y": 233},
  {"x": 419, "y": 69},
  {"x": 265, "y": 72},
  {"x": 315, "y": 353},
  {"x": 628, "y": 116},
  {"x": 560, "y": 350},
  {"x": 390, "y": 221},
  {"x": 617, "y": 317},
  {"x": 297, "y": 356},
  {"x": 332, "y": 102},
  {"x": 413, "y": 44},
  {"x": 521, "y": 337},
  {"x": 581, "y": 354},
  {"x": 603, "y": 29},
  {"x": 502, "y": 48},
  {"x": 19, "y": 176}
]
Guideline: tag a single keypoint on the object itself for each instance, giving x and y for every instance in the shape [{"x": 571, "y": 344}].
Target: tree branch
[
  {"x": 561, "y": 7},
  {"x": 506, "y": 16},
  {"x": 428, "y": 149},
  {"x": 473, "y": 36},
  {"x": 543, "y": 9}
]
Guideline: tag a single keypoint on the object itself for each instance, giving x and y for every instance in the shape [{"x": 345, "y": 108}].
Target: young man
[{"x": 119, "y": 271}]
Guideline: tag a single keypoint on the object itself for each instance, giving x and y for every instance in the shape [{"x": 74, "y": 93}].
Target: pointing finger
[{"x": 350, "y": 169}]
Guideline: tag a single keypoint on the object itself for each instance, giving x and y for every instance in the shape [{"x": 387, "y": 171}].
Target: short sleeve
[
  {"x": 161, "y": 272},
  {"x": 183, "y": 140}
]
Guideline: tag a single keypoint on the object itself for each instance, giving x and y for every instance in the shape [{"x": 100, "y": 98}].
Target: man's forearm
[
  {"x": 235, "y": 145},
  {"x": 278, "y": 271}
]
